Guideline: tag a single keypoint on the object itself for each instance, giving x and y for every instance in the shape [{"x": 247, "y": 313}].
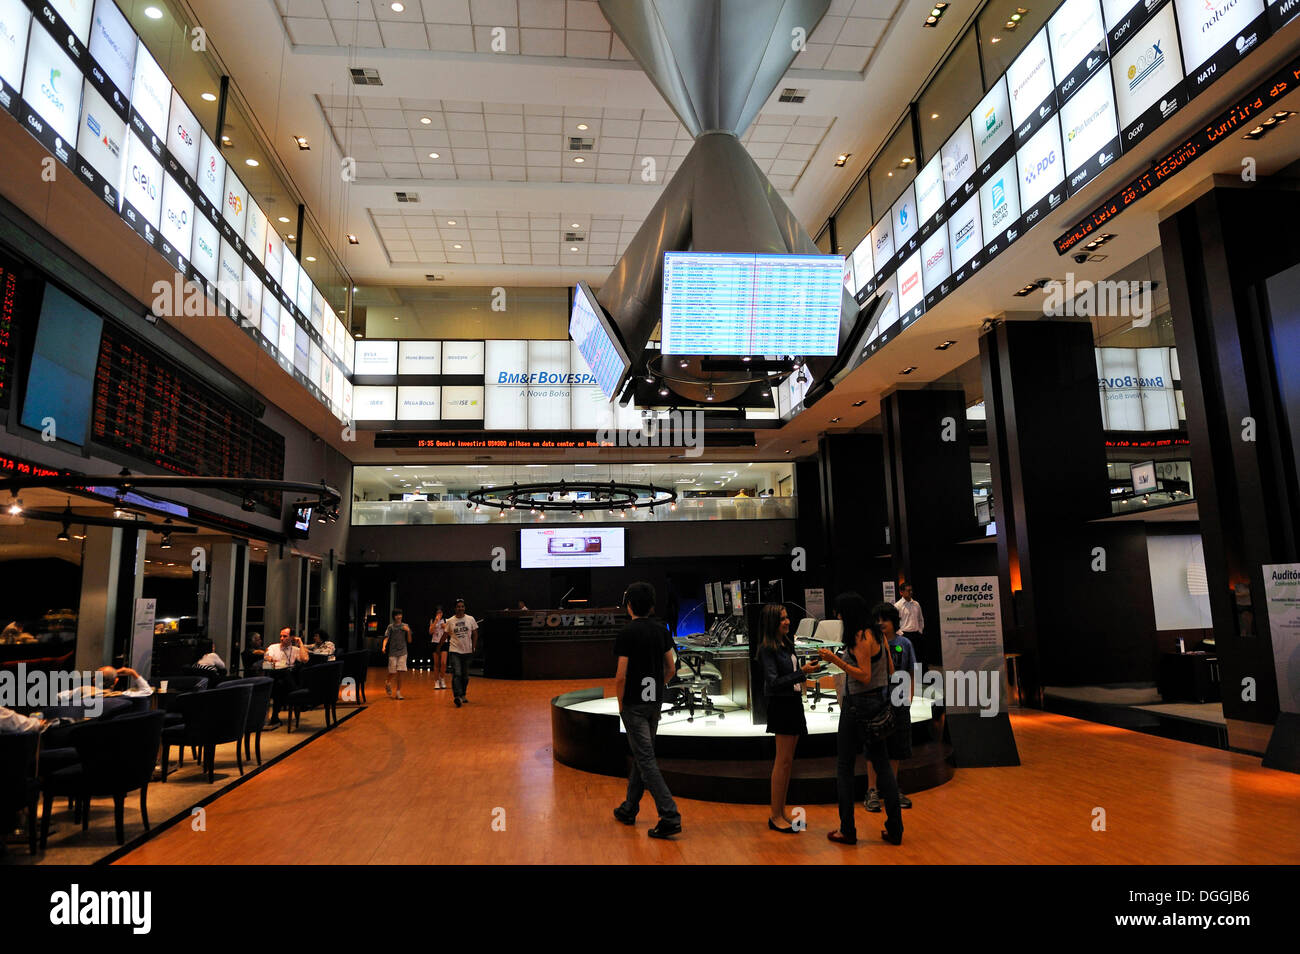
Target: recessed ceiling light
[
  {"x": 302, "y": 142},
  {"x": 451, "y": 221},
  {"x": 934, "y": 115},
  {"x": 841, "y": 159},
  {"x": 397, "y": 7},
  {"x": 859, "y": 403},
  {"x": 291, "y": 237},
  {"x": 353, "y": 240},
  {"x": 583, "y": 126},
  {"x": 284, "y": 219},
  {"x": 945, "y": 346},
  {"x": 457, "y": 245},
  {"x": 252, "y": 162},
  {"x": 153, "y": 13},
  {"x": 579, "y": 159},
  {"x": 434, "y": 155},
  {"x": 311, "y": 258},
  {"x": 426, "y": 120},
  {"x": 573, "y": 248},
  {"x": 209, "y": 97},
  {"x": 577, "y": 225}
]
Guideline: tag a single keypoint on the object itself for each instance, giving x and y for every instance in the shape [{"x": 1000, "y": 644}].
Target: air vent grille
[
  {"x": 365, "y": 76},
  {"x": 434, "y": 278},
  {"x": 579, "y": 144},
  {"x": 574, "y": 237},
  {"x": 792, "y": 95},
  {"x": 410, "y": 197}
]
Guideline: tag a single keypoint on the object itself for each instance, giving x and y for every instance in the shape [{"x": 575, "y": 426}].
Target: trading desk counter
[{"x": 550, "y": 644}]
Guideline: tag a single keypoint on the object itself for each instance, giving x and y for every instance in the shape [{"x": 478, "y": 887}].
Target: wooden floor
[{"x": 421, "y": 782}]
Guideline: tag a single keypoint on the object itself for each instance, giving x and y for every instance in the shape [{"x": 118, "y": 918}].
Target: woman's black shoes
[
  {"x": 785, "y": 831},
  {"x": 892, "y": 839}
]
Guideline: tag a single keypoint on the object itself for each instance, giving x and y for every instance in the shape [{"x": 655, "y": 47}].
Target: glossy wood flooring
[{"x": 421, "y": 782}]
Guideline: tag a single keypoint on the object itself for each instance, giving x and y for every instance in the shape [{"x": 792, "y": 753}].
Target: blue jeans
[
  {"x": 459, "y": 665},
  {"x": 642, "y": 722},
  {"x": 851, "y": 739}
]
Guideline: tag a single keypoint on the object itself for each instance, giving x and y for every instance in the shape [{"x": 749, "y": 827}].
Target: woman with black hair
[
  {"x": 866, "y": 666},
  {"x": 783, "y": 680}
]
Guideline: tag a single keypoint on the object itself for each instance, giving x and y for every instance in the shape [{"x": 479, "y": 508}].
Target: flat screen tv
[
  {"x": 598, "y": 341},
  {"x": 745, "y": 304},
  {"x": 61, "y": 379},
  {"x": 300, "y": 526},
  {"x": 558, "y": 547}
]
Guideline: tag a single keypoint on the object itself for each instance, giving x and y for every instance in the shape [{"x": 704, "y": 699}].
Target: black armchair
[
  {"x": 114, "y": 757},
  {"x": 356, "y": 666},
  {"x": 258, "y": 701},
  {"x": 212, "y": 718},
  {"x": 320, "y": 687},
  {"x": 18, "y": 783}
]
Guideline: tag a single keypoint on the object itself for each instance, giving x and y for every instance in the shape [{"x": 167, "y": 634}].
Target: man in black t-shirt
[{"x": 646, "y": 661}]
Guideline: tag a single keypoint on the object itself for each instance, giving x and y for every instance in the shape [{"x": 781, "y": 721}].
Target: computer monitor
[
  {"x": 1144, "y": 477},
  {"x": 829, "y": 631}
]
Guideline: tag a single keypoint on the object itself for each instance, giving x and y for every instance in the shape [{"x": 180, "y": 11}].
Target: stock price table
[{"x": 150, "y": 408}]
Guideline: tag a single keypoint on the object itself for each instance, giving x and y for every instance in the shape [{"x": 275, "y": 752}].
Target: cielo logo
[
  {"x": 143, "y": 180},
  {"x": 178, "y": 217}
]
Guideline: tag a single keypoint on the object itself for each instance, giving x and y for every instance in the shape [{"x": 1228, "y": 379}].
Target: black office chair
[
  {"x": 356, "y": 666},
  {"x": 320, "y": 687},
  {"x": 258, "y": 702},
  {"x": 19, "y": 785},
  {"x": 114, "y": 757}
]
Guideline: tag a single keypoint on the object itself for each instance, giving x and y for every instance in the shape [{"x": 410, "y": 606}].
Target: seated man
[
  {"x": 115, "y": 680},
  {"x": 285, "y": 654},
  {"x": 320, "y": 645},
  {"x": 15, "y": 723}
]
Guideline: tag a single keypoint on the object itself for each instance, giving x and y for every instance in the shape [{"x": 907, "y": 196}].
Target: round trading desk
[{"x": 724, "y": 757}]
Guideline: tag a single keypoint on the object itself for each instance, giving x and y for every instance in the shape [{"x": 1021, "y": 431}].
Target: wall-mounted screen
[
  {"x": 286, "y": 340},
  {"x": 205, "y": 248},
  {"x": 904, "y": 218},
  {"x": 235, "y": 205},
  {"x": 958, "y": 160},
  {"x": 230, "y": 273},
  {"x": 1089, "y": 124},
  {"x": 1077, "y": 35},
  {"x": 273, "y": 260},
  {"x": 376, "y": 357},
  {"x": 176, "y": 224},
  {"x": 15, "y": 20},
  {"x": 850, "y": 284},
  {"x": 255, "y": 232},
  {"x": 302, "y": 350},
  {"x": 506, "y": 375},
  {"x": 724, "y": 304},
  {"x": 76, "y": 14},
  {"x": 999, "y": 202},
  {"x": 1146, "y": 71},
  {"x": 314, "y": 360},
  {"x": 251, "y": 297},
  {"x": 151, "y": 93},
  {"x": 863, "y": 264},
  {"x": 882, "y": 242},
  {"x": 991, "y": 121},
  {"x": 1143, "y": 476},
  {"x": 910, "y": 289},
  {"x": 597, "y": 341},
  {"x": 52, "y": 85},
  {"x": 212, "y": 171},
  {"x": 462, "y": 403},
  {"x": 61, "y": 379},
  {"x": 183, "y": 136},
  {"x": 936, "y": 263},
  {"x": 375, "y": 403},
  {"x": 305, "y": 293},
  {"x": 1029, "y": 79},
  {"x": 1040, "y": 163},
  {"x": 1137, "y": 389},
  {"x": 289, "y": 277},
  {"x": 419, "y": 403},
  {"x": 550, "y": 385},
  {"x": 142, "y": 180},
  {"x": 462, "y": 357},
  {"x": 1208, "y": 26},
  {"x": 965, "y": 236},
  {"x": 113, "y": 45},
  {"x": 553, "y": 547},
  {"x": 101, "y": 142},
  {"x": 272, "y": 316},
  {"x": 929, "y": 188}
]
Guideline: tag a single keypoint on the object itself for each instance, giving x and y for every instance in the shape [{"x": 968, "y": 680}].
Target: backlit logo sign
[
  {"x": 902, "y": 218},
  {"x": 990, "y": 119},
  {"x": 909, "y": 283},
  {"x": 184, "y": 134},
  {"x": 1080, "y": 127},
  {"x": 963, "y": 234},
  {"x": 1150, "y": 60},
  {"x": 147, "y": 185},
  {"x": 235, "y": 202},
  {"x": 999, "y": 194},
  {"x": 205, "y": 247},
  {"x": 51, "y": 91},
  {"x": 936, "y": 258},
  {"x": 583, "y": 379},
  {"x": 178, "y": 217}
]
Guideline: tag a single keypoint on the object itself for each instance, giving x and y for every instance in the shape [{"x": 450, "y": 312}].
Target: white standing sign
[
  {"x": 1282, "y": 594},
  {"x": 142, "y": 636},
  {"x": 970, "y": 630}
]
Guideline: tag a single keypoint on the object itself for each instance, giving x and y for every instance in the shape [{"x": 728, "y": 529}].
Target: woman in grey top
[{"x": 866, "y": 692}]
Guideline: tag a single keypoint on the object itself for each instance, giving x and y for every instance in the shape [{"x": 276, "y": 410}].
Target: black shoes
[
  {"x": 665, "y": 829},
  {"x": 893, "y": 839},
  {"x": 457, "y": 701},
  {"x": 785, "y": 831},
  {"x": 624, "y": 817},
  {"x": 904, "y": 801}
]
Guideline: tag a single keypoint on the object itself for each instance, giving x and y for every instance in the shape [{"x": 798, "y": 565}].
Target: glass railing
[{"x": 393, "y": 513}]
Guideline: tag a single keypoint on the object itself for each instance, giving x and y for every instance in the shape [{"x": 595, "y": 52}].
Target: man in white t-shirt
[
  {"x": 912, "y": 625},
  {"x": 464, "y": 643}
]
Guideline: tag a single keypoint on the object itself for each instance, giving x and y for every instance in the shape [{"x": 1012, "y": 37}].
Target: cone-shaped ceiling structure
[{"x": 716, "y": 62}]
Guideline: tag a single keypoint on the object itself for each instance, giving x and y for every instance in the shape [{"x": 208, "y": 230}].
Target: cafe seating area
[{"x": 86, "y": 789}]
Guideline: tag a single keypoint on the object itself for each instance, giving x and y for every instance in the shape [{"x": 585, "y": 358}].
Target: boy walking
[{"x": 396, "y": 640}]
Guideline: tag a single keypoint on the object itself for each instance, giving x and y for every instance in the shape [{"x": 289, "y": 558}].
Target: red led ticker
[{"x": 1193, "y": 148}]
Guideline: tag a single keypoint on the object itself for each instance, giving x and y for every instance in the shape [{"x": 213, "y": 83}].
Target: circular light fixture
[
  {"x": 397, "y": 7},
  {"x": 457, "y": 245},
  {"x": 577, "y": 225},
  {"x": 311, "y": 258},
  {"x": 434, "y": 155},
  {"x": 209, "y": 97},
  {"x": 252, "y": 163},
  {"x": 573, "y": 248},
  {"x": 284, "y": 219},
  {"x": 426, "y": 120},
  {"x": 153, "y": 13},
  {"x": 451, "y": 221},
  {"x": 579, "y": 159},
  {"x": 583, "y": 126}
]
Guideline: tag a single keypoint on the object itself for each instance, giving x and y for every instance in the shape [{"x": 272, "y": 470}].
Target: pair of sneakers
[
  {"x": 389, "y": 689},
  {"x": 873, "y": 800},
  {"x": 664, "y": 829},
  {"x": 440, "y": 685}
]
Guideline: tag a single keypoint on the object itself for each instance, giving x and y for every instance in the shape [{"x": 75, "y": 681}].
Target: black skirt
[{"x": 785, "y": 715}]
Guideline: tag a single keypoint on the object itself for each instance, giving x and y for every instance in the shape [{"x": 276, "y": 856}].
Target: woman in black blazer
[{"x": 783, "y": 686}]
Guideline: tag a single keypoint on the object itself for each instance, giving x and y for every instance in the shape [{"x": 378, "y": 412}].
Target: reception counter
[{"x": 550, "y": 644}]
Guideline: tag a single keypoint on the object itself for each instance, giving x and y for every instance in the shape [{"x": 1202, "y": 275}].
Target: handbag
[{"x": 881, "y": 724}]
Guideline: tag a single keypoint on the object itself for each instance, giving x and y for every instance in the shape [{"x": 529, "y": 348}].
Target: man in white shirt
[
  {"x": 912, "y": 625},
  {"x": 115, "y": 680},
  {"x": 283, "y": 655},
  {"x": 464, "y": 643},
  {"x": 15, "y": 723}
]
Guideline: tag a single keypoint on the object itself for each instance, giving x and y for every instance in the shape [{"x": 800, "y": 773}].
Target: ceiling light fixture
[
  {"x": 841, "y": 159},
  {"x": 209, "y": 97},
  {"x": 434, "y": 155},
  {"x": 302, "y": 142},
  {"x": 311, "y": 258},
  {"x": 397, "y": 7},
  {"x": 425, "y": 120},
  {"x": 353, "y": 240},
  {"x": 451, "y": 221},
  {"x": 252, "y": 163},
  {"x": 153, "y": 13},
  {"x": 284, "y": 220},
  {"x": 579, "y": 159},
  {"x": 945, "y": 346},
  {"x": 908, "y": 370},
  {"x": 583, "y": 127}
]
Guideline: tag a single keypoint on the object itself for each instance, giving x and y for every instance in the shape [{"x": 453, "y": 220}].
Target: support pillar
[
  {"x": 227, "y": 597},
  {"x": 97, "y": 613},
  {"x": 283, "y": 586},
  {"x": 1234, "y": 291},
  {"x": 852, "y": 489}
]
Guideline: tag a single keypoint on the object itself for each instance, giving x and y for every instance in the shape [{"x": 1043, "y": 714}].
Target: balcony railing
[{"x": 398, "y": 513}]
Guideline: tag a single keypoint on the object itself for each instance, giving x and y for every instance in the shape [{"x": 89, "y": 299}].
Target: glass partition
[
  {"x": 893, "y": 169},
  {"x": 950, "y": 96},
  {"x": 1005, "y": 28}
]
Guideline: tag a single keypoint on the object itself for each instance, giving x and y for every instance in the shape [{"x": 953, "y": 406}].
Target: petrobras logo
[
  {"x": 963, "y": 234},
  {"x": 1147, "y": 62},
  {"x": 184, "y": 134},
  {"x": 583, "y": 379},
  {"x": 1039, "y": 167},
  {"x": 51, "y": 91},
  {"x": 990, "y": 119},
  {"x": 147, "y": 185},
  {"x": 1080, "y": 127},
  {"x": 235, "y": 202}
]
